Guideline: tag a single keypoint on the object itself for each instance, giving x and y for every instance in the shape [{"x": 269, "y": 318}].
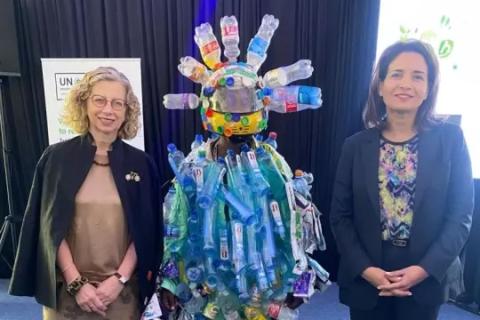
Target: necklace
[{"x": 101, "y": 164}]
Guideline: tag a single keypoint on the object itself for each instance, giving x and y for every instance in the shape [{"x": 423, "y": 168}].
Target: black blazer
[
  {"x": 442, "y": 213},
  {"x": 59, "y": 175}
]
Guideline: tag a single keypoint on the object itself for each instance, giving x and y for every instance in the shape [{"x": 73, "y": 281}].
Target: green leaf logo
[{"x": 445, "y": 48}]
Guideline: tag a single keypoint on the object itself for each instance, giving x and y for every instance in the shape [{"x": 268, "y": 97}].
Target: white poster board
[
  {"x": 59, "y": 75},
  {"x": 451, "y": 27}
]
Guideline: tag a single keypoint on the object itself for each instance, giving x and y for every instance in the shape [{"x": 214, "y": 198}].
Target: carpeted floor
[{"x": 322, "y": 307}]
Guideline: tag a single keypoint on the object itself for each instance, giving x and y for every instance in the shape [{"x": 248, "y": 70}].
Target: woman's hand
[
  {"x": 88, "y": 300},
  {"x": 379, "y": 279},
  {"x": 402, "y": 279},
  {"x": 109, "y": 289}
]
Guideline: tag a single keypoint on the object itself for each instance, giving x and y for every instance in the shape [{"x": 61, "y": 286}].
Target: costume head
[{"x": 234, "y": 100}]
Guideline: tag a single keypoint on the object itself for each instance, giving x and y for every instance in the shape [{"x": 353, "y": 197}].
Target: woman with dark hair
[
  {"x": 403, "y": 194},
  {"x": 91, "y": 236}
]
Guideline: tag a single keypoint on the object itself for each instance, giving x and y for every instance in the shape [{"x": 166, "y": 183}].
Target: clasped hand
[
  {"x": 91, "y": 299},
  {"x": 395, "y": 283}
]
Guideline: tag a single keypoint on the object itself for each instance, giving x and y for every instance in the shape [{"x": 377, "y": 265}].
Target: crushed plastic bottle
[
  {"x": 257, "y": 48},
  {"x": 230, "y": 37},
  {"x": 302, "y": 69},
  {"x": 208, "y": 44},
  {"x": 180, "y": 101},
  {"x": 193, "y": 70}
]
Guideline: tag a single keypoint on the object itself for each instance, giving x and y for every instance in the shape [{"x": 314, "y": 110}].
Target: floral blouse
[{"x": 396, "y": 181}]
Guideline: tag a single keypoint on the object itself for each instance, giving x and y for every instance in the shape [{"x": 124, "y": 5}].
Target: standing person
[
  {"x": 91, "y": 236},
  {"x": 403, "y": 195}
]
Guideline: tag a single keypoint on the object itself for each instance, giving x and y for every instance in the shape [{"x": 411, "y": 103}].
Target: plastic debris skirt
[{"x": 239, "y": 229}]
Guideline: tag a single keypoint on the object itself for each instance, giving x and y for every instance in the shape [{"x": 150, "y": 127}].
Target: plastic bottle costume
[{"x": 239, "y": 228}]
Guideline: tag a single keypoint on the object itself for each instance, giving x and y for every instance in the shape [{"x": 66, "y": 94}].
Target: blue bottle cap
[
  {"x": 229, "y": 81},
  {"x": 245, "y": 148},
  {"x": 208, "y": 91},
  {"x": 267, "y": 91},
  {"x": 171, "y": 147}
]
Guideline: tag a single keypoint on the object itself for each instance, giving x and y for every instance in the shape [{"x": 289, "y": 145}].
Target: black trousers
[{"x": 395, "y": 308}]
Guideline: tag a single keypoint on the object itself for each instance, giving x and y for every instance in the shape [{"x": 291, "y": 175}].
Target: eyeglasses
[{"x": 101, "y": 101}]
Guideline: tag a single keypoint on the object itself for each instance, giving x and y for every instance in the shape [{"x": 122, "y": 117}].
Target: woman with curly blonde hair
[{"x": 82, "y": 252}]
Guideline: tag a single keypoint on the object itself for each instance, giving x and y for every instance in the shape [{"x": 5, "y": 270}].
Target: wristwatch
[
  {"x": 75, "y": 286},
  {"x": 123, "y": 280}
]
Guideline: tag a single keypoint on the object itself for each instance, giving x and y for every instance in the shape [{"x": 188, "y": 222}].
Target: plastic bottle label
[
  {"x": 198, "y": 176},
  {"x": 209, "y": 47},
  {"x": 252, "y": 159},
  {"x": 224, "y": 254},
  {"x": 276, "y": 212},
  {"x": 229, "y": 30},
  {"x": 291, "y": 107},
  {"x": 274, "y": 310}
]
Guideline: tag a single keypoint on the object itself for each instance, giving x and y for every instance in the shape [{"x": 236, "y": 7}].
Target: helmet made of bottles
[{"x": 234, "y": 99}]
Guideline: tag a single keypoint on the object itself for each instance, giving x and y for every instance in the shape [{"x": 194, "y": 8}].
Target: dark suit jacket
[
  {"x": 59, "y": 174},
  {"x": 442, "y": 213}
]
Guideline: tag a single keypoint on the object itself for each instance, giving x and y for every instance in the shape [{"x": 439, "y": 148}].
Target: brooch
[{"x": 132, "y": 176}]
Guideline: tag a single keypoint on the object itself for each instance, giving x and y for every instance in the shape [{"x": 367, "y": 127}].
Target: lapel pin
[{"x": 132, "y": 176}]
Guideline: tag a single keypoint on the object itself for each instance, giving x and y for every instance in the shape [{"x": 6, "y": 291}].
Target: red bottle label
[{"x": 291, "y": 106}]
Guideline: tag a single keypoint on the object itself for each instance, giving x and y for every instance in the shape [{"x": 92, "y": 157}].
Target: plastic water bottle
[
  {"x": 208, "y": 44},
  {"x": 280, "y": 312},
  {"x": 243, "y": 212},
  {"x": 269, "y": 250},
  {"x": 302, "y": 69},
  {"x": 230, "y": 37},
  {"x": 216, "y": 170},
  {"x": 295, "y": 98},
  {"x": 229, "y": 304},
  {"x": 197, "y": 142},
  {"x": 175, "y": 158},
  {"x": 167, "y": 206},
  {"x": 193, "y": 70},
  {"x": 238, "y": 257},
  {"x": 272, "y": 140},
  {"x": 249, "y": 162},
  {"x": 180, "y": 101},
  {"x": 257, "y": 48},
  {"x": 199, "y": 169},
  {"x": 196, "y": 304},
  {"x": 302, "y": 182}
]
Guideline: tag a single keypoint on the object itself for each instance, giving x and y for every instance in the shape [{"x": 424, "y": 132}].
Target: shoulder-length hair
[
  {"x": 75, "y": 108},
  {"x": 374, "y": 114}
]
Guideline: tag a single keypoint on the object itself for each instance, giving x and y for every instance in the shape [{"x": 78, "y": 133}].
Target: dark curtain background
[{"x": 339, "y": 36}]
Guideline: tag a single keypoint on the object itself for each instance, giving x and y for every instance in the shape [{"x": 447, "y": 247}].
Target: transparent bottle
[
  {"x": 277, "y": 310},
  {"x": 230, "y": 37},
  {"x": 302, "y": 69},
  {"x": 175, "y": 158},
  {"x": 180, "y": 101},
  {"x": 295, "y": 98},
  {"x": 208, "y": 44},
  {"x": 272, "y": 140},
  {"x": 257, "y": 48},
  {"x": 197, "y": 142},
  {"x": 196, "y": 303},
  {"x": 193, "y": 70}
]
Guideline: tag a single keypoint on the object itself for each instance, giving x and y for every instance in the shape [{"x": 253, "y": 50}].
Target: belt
[{"x": 398, "y": 242}]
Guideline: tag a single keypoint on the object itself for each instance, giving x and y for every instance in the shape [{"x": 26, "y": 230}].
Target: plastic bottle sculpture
[{"x": 239, "y": 233}]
